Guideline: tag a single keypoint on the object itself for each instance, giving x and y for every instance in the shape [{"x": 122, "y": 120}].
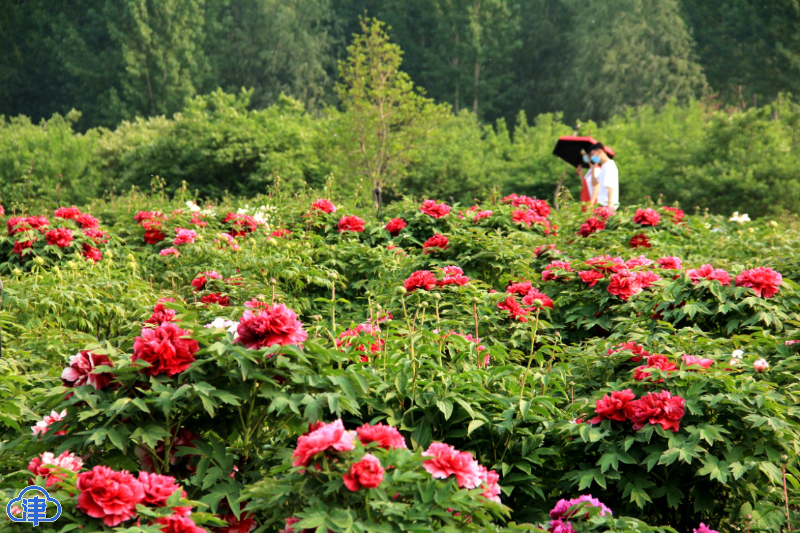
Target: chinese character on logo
[{"x": 34, "y": 509}]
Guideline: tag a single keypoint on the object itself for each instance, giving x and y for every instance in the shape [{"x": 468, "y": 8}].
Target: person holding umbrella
[
  {"x": 606, "y": 187},
  {"x": 588, "y": 177}
]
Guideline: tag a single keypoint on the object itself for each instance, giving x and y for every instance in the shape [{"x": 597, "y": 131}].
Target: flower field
[{"x": 308, "y": 365}]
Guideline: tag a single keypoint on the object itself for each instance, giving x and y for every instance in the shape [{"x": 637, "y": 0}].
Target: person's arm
[
  {"x": 610, "y": 197},
  {"x": 579, "y": 170},
  {"x": 595, "y": 187}
]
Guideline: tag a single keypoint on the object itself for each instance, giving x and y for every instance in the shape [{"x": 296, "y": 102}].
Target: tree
[
  {"x": 386, "y": 117},
  {"x": 272, "y": 47},
  {"x": 637, "y": 52}
]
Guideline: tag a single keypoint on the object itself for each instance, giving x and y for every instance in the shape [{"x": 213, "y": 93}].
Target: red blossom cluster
[
  {"x": 646, "y": 217},
  {"x": 654, "y": 362},
  {"x": 442, "y": 461},
  {"x": 710, "y": 273},
  {"x": 437, "y": 242},
  {"x": 240, "y": 225},
  {"x": 637, "y": 350},
  {"x": 434, "y": 209},
  {"x": 592, "y": 225},
  {"x": 395, "y": 226},
  {"x": 550, "y": 271},
  {"x": 529, "y": 217},
  {"x": 323, "y": 205},
  {"x": 540, "y": 207},
  {"x": 677, "y": 214},
  {"x": 421, "y": 279},
  {"x": 167, "y": 348},
  {"x": 275, "y": 324},
  {"x": 655, "y": 408},
  {"x": 639, "y": 241},
  {"x": 764, "y": 281},
  {"x": 453, "y": 275},
  {"x": 347, "y": 338},
  {"x": 352, "y": 223},
  {"x": 81, "y": 371}
]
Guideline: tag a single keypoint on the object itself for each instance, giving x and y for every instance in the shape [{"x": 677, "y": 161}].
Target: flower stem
[{"x": 530, "y": 359}]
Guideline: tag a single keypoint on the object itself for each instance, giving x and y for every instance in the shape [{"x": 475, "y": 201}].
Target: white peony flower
[
  {"x": 737, "y": 354},
  {"x": 223, "y": 323},
  {"x": 739, "y": 218}
]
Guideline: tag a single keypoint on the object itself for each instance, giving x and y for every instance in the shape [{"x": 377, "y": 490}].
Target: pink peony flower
[
  {"x": 565, "y": 508},
  {"x": 367, "y": 328},
  {"x": 534, "y": 295},
  {"x": 141, "y": 216},
  {"x": 177, "y": 523},
  {"x": 42, "y": 426},
  {"x": 387, "y": 437},
  {"x": 166, "y": 349},
  {"x": 481, "y": 215},
  {"x": 97, "y": 235},
  {"x": 185, "y": 236},
  {"x": 81, "y": 368},
  {"x": 394, "y": 226},
  {"x": 710, "y": 273},
  {"x": 67, "y": 461},
  {"x": 169, "y": 251},
  {"x": 437, "y": 241},
  {"x": 637, "y": 261},
  {"x": 453, "y": 275},
  {"x": 444, "y": 461},
  {"x": 230, "y": 240},
  {"x": 545, "y": 247},
  {"x": 548, "y": 274},
  {"x": 656, "y": 408},
  {"x": 421, "y": 279},
  {"x": 606, "y": 263},
  {"x": 489, "y": 484},
  {"x": 109, "y": 495},
  {"x": 529, "y": 218},
  {"x": 763, "y": 280},
  {"x": 691, "y": 360},
  {"x": 604, "y": 213},
  {"x": 559, "y": 526},
  {"x": 436, "y": 210},
  {"x": 367, "y": 474},
  {"x": 670, "y": 263},
  {"x": 157, "y": 488},
  {"x": 704, "y": 529},
  {"x": 761, "y": 365},
  {"x": 275, "y": 324},
  {"x": 353, "y": 224},
  {"x": 321, "y": 204},
  {"x": 612, "y": 406},
  {"x": 244, "y": 524},
  {"x": 677, "y": 214},
  {"x": 61, "y": 237},
  {"x": 647, "y": 217},
  {"x": 327, "y": 437},
  {"x": 647, "y": 278}
]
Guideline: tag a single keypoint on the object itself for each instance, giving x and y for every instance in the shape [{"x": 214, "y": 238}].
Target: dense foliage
[{"x": 299, "y": 363}]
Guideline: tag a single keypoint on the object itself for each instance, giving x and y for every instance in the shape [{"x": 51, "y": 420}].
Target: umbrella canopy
[{"x": 569, "y": 149}]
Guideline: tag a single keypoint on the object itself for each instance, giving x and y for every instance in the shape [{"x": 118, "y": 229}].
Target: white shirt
[
  {"x": 587, "y": 177},
  {"x": 608, "y": 179}
]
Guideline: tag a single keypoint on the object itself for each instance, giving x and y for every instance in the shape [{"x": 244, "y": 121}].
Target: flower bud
[
  {"x": 773, "y": 223},
  {"x": 56, "y": 270},
  {"x": 110, "y": 254},
  {"x": 38, "y": 260},
  {"x": 761, "y": 365},
  {"x": 333, "y": 275},
  {"x": 272, "y": 242},
  {"x": 424, "y": 304},
  {"x": 400, "y": 290},
  {"x": 437, "y": 296},
  {"x": 17, "y": 272},
  {"x": 538, "y": 303}
]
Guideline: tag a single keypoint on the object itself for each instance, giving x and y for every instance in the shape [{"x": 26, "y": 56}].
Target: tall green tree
[
  {"x": 385, "y": 117},
  {"x": 272, "y": 47},
  {"x": 633, "y": 52}
]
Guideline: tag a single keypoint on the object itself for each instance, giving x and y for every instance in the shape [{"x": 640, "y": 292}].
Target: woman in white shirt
[
  {"x": 606, "y": 187},
  {"x": 587, "y": 178}
]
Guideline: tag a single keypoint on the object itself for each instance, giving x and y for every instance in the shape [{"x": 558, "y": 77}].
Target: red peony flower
[
  {"x": 109, "y": 495},
  {"x": 97, "y": 235},
  {"x": 437, "y": 241},
  {"x": 326, "y": 206},
  {"x": 143, "y": 216},
  {"x": 656, "y": 408},
  {"x": 241, "y": 224},
  {"x": 647, "y": 217},
  {"x": 394, "y": 226},
  {"x": 677, "y": 214},
  {"x": 444, "y": 461},
  {"x": 369, "y": 329},
  {"x": 90, "y": 252},
  {"x": 330, "y": 436},
  {"x": 670, "y": 263},
  {"x": 606, "y": 263},
  {"x": 548, "y": 274},
  {"x": 21, "y": 246},
  {"x": 591, "y": 277},
  {"x": 710, "y": 273},
  {"x": 421, "y": 279},
  {"x": 169, "y": 251},
  {"x": 511, "y": 305},
  {"x": 592, "y": 225},
  {"x": 367, "y": 473},
  {"x": 281, "y": 233},
  {"x": 530, "y": 217},
  {"x": 612, "y": 406},
  {"x": 431, "y": 208},
  {"x": 67, "y": 461},
  {"x": 637, "y": 262},
  {"x": 387, "y": 437},
  {"x": 647, "y": 278},
  {"x": 87, "y": 221},
  {"x": 216, "y": 298},
  {"x": 481, "y": 215},
  {"x": 67, "y": 213},
  {"x": 61, "y": 237},
  {"x": 763, "y": 280},
  {"x": 534, "y": 295},
  {"x": 200, "y": 281},
  {"x": 637, "y": 350},
  {"x": 654, "y": 361},
  {"x": 276, "y": 324},
  {"x": 165, "y": 349},
  {"x": 244, "y": 524},
  {"x": 198, "y": 221},
  {"x": 178, "y": 523},
  {"x": 624, "y": 284},
  {"x": 354, "y": 224},
  {"x": 640, "y": 241},
  {"x": 152, "y": 232},
  {"x": 81, "y": 368}
]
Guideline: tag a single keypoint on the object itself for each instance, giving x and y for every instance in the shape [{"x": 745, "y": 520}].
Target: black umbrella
[{"x": 569, "y": 148}]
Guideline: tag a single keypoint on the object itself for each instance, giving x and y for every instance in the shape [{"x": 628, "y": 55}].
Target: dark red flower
[
  {"x": 592, "y": 225},
  {"x": 216, "y": 298},
  {"x": 656, "y": 408},
  {"x": 591, "y": 277},
  {"x": 394, "y": 226},
  {"x": 612, "y": 406},
  {"x": 352, "y": 223},
  {"x": 90, "y": 252},
  {"x": 67, "y": 213},
  {"x": 61, "y": 237},
  {"x": 421, "y": 279},
  {"x": 437, "y": 241},
  {"x": 639, "y": 241},
  {"x": 166, "y": 349}
]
